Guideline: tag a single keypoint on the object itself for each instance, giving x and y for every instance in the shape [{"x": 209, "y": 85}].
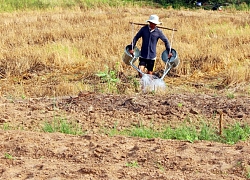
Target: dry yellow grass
[{"x": 45, "y": 53}]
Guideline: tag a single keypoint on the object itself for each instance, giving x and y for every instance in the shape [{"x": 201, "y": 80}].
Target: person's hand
[
  {"x": 131, "y": 52},
  {"x": 170, "y": 55}
]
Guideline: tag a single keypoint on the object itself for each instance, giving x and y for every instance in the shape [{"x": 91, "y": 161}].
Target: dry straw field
[
  {"x": 59, "y": 52},
  {"x": 61, "y": 71}
]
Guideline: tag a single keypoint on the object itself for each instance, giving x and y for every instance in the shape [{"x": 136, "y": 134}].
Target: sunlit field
[
  {"x": 62, "y": 52},
  {"x": 71, "y": 108}
]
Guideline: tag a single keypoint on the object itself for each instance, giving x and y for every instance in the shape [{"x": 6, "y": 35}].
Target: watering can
[
  {"x": 170, "y": 62},
  {"x": 129, "y": 59}
]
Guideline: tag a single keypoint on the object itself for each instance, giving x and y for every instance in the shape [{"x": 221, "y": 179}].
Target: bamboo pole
[{"x": 157, "y": 26}]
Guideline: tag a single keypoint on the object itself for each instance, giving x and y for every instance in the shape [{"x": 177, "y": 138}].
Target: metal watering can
[
  {"x": 129, "y": 59},
  {"x": 170, "y": 63}
]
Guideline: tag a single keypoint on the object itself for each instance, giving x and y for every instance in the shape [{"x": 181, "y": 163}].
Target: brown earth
[{"x": 29, "y": 153}]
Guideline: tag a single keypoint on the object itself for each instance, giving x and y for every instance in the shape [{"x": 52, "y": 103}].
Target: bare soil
[{"x": 29, "y": 153}]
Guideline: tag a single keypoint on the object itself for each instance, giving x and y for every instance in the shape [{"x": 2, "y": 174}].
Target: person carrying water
[{"x": 150, "y": 35}]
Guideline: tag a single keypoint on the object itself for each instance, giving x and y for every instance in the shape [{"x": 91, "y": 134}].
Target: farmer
[{"x": 150, "y": 35}]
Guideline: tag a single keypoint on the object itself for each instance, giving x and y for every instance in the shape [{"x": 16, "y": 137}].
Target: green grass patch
[
  {"x": 231, "y": 135},
  {"x": 62, "y": 126},
  {"x": 230, "y": 96},
  {"x": 8, "y": 156},
  {"x": 236, "y": 133},
  {"x": 132, "y": 164},
  {"x": 110, "y": 78},
  {"x": 208, "y": 133},
  {"x": 6, "y": 126},
  {"x": 248, "y": 175},
  {"x": 16, "y": 5}
]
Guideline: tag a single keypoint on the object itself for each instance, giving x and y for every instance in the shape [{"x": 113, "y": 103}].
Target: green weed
[
  {"x": 186, "y": 133},
  {"x": 136, "y": 84},
  {"x": 160, "y": 167},
  {"x": 6, "y": 126},
  {"x": 110, "y": 77},
  {"x": 8, "y": 156},
  {"x": 236, "y": 133},
  {"x": 113, "y": 131},
  {"x": 23, "y": 96},
  {"x": 230, "y": 96},
  {"x": 207, "y": 133},
  {"x": 248, "y": 175},
  {"x": 62, "y": 126},
  {"x": 143, "y": 132},
  {"x": 132, "y": 164},
  {"x": 179, "y": 105}
]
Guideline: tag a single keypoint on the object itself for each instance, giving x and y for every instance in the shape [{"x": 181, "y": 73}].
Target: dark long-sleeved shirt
[{"x": 149, "y": 41}]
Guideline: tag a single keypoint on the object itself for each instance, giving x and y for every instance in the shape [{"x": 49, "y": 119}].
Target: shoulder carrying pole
[{"x": 157, "y": 26}]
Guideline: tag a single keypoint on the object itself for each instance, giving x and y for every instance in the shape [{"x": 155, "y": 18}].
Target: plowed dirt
[{"x": 29, "y": 153}]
